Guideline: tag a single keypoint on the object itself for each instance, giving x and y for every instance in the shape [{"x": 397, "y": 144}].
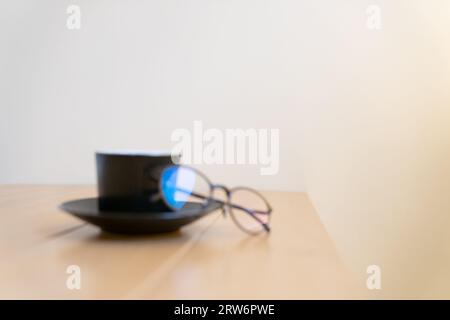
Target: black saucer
[{"x": 136, "y": 222}]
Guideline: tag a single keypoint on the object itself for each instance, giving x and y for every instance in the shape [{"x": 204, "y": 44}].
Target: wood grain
[{"x": 210, "y": 259}]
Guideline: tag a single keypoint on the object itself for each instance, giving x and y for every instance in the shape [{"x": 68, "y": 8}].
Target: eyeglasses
[{"x": 249, "y": 210}]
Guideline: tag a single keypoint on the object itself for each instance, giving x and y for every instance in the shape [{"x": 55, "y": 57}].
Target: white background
[{"x": 364, "y": 115}]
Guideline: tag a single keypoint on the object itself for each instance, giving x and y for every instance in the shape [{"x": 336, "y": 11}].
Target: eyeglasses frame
[{"x": 226, "y": 206}]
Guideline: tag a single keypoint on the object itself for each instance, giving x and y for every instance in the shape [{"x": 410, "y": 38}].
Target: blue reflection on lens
[{"x": 177, "y": 184}]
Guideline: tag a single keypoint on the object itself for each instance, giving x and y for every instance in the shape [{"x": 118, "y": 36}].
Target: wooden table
[{"x": 209, "y": 259}]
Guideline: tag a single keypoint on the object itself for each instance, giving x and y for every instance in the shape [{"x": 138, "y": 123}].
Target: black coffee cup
[{"x": 129, "y": 180}]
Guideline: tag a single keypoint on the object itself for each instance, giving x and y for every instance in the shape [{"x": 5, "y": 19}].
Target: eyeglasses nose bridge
[
  {"x": 222, "y": 187},
  {"x": 227, "y": 192}
]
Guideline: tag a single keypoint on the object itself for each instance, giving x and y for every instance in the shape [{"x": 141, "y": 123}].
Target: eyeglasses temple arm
[{"x": 250, "y": 212}]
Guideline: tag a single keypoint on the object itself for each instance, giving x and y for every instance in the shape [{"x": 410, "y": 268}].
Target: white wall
[
  {"x": 377, "y": 146},
  {"x": 363, "y": 115},
  {"x": 134, "y": 72}
]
